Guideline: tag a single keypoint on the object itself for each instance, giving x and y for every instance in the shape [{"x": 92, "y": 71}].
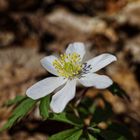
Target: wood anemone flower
[{"x": 68, "y": 70}]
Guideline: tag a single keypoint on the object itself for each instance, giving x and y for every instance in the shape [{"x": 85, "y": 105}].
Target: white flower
[{"x": 69, "y": 69}]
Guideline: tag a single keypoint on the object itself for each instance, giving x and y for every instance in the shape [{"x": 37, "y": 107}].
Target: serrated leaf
[
  {"x": 16, "y": 100},
  {"x": 71, "y": 134},
  {"x": 91, "y": 137},
  {"x": 21, "y": 110},
  {"x": 66, "y": 118},
  {"x": 115, "y": 89},
  {"x": 44, "y": 107}
]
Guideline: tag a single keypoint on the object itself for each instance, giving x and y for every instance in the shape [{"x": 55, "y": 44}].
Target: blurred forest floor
[{"x": 31, "y": 29}]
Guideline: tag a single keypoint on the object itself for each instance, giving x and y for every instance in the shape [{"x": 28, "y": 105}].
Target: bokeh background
[{"x": 32, "y": 29}]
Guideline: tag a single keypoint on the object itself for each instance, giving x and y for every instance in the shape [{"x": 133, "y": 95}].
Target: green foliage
[
  {"x": 98, "y": 113},
  {"x": 75, "y": 136},
  {"x": 71, "y": 134},
  {"x": 75, "y": 117},
  {"x": 44, "y": 107},
  {"x": 24, "y": 107},
  {"x": 86, "y": 107},
  {"x": 66, "y": 118},
  {"x": 91, "y": 137},
  {"x": 16, "y": 100}
]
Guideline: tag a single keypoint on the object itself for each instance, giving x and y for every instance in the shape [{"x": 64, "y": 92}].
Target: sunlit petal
[
  {"x": 62, "y": 97},
  {"x": 95, "y": 80},
  {"x": 44, "y": 87}
]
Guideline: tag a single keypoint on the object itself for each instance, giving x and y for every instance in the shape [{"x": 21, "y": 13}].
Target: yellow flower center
[{"x": 68, "y": 66}]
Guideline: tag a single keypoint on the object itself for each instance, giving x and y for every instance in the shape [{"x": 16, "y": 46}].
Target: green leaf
[
  {"x": 9, "y": 123},
  {"x": 95, "y": 130},
  {"x": 21, "y": 110},
  {"x": 66, "y": 118},
  {"x": 92, "y": 108},
  {"x": 24, "y": 107},
  {"x": 91, "y": 137},
  {"x": 115, "y": 89},
  {"x": 16, "y": 100},
  {"x": 71, "y": 134},
  {"x": 44, "y": 107},
  {"x": 76, "y": 135},
  {"x": 83, "y": 111},
  {"x": 85, "y": 107}
]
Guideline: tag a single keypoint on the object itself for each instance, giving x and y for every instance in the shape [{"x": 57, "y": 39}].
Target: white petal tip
[
  {"x": 55, "y": 110},
  {"x": 30, "y": 94},
  {"x": 42, "y": 61},
  {"x": 106, "y": 85},
  {"x": 114, "y": 57},
  {"x": 110, "y": 82}
]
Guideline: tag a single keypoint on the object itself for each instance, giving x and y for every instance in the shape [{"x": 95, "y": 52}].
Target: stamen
[
  {"x": 68, "y": 66},
  {"x": 85, "y": 68}
]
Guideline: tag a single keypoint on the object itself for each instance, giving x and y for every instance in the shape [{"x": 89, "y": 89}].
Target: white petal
[
  {"x": 96, "y": 80},
  {"x": 62, "y": 97},
  {"x": 47, "y": 63},
  {"x": 44, "y": 87},
  {"x": 101, "y": 61},
  {"x": 77, "y": 47}
]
